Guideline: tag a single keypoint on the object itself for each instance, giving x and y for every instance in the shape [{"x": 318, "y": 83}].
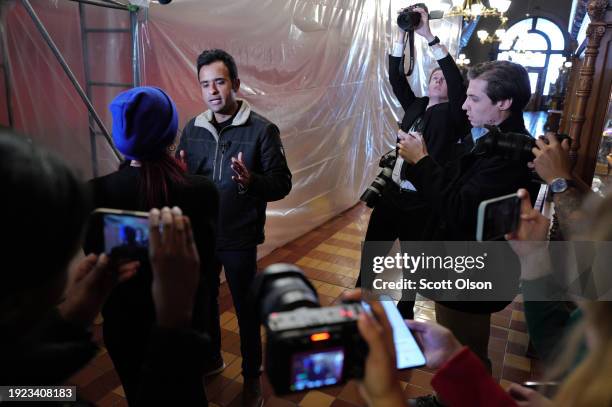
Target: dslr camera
[
  {"x": 308, "y": 346},
  {"x": 511, "y": 146},
  {"x": 375, "y": 191},
  {"x": 409, "y": 19}
]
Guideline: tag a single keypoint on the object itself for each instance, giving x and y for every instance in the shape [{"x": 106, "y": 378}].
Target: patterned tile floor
[{"x": 329, "y": 255}]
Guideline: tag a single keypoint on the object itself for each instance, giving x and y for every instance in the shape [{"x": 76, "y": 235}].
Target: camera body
[
  {"x": 409, "y": 19},
  {"x": 307, "y": 346},
  {"x": 511, "y": 146},
  {"x": 313, "y": 347},
  {"x": 374, "y": 192}
]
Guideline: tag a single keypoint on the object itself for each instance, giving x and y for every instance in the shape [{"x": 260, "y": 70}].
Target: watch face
[{"x": 558, "y": 185}]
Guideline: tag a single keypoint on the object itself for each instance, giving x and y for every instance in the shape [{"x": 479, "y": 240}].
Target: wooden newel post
[{"x": 595, "y": 32}]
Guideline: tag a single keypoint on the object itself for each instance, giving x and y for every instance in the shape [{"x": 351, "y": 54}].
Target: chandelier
[
  {"x": 462, "y": 60},
  {"x": 470, "y": 9},
  {"x": 486, "y": 38}
]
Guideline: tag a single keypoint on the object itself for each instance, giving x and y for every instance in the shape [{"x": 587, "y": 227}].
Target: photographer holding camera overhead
[{"x": 399, "y": 208}]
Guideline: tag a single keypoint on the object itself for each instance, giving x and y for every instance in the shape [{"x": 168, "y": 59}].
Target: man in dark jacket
[
  {"x": 497, "y": 93},
  {"x": 401, "y": 213},
  {"x": 241, "y": 152}
]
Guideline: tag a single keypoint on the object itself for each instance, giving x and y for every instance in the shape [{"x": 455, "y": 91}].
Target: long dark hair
[
  {"x": 45, "y": 207},
  {"x": 156, "y": 179}
]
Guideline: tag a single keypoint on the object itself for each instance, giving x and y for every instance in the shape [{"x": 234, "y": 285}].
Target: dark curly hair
[
  {"x": 209, "y": 56},
  {"x": 505, "y": 80}
]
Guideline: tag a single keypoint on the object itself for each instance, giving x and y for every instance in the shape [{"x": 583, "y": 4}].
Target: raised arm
[
  {"x": 454, "y": 80},
  {"x": 399, "y": 83},
  {"x": 456, "y": 88}
]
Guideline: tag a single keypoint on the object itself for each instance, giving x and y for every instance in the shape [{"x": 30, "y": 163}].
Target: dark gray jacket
[{"x": 242, "y": 214}]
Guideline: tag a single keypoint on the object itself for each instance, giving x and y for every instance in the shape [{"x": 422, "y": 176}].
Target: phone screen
[
  {"x": 497, "y": 217},
  {"x": 407, "y": 350},
  {"x": 125, "y": 234}
]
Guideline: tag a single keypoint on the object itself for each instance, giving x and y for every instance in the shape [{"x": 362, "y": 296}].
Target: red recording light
[
  {"x": 321, "y": 336},
  {"x": 346, "y": 313}
]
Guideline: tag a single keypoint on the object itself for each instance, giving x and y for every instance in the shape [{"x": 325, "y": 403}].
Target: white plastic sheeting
[{"x": 316, "y": 68}]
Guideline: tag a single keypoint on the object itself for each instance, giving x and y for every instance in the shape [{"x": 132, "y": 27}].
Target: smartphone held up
[
  {"x": 120, "y": 234},
  {"x": 497, "y": 217}
]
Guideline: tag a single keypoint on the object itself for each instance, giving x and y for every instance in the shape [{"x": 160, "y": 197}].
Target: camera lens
[
  {"x": 510, "y": 146},
  {"x": 408, "y": 20},
  {"x": 285, "y": 288},
  {"x": 371, "y": 195}
]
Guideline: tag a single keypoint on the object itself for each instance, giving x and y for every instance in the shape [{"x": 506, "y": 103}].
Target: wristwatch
[
  {"x": 433, "y": 42},
  {"x": 559, "y": 185}
]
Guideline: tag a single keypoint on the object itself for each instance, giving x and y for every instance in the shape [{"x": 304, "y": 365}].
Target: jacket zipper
[
  {"x": 215, "y": 161},
  {"x": 223, "y": 148},
  {"x": 221, "y": 162}
]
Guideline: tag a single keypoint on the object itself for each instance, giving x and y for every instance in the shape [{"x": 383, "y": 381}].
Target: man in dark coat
[
  {"x": 400, "y": 212},
  {"x": 497, "y": 93},
  {"x": 241, "y": 152}
]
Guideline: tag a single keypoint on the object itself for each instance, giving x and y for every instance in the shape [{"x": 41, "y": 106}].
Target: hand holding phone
[
  {"x": 438, "y": 343},
  {"x": 175, "y": 266},
  {"x": 407, "y": 351},
  {"x": 91, "y": 281},
  {"x": 120, "y": 234},
  {"x": 530, "y": 236},
  {"x": 380, "y": 381},
  {"x": 498, "y": 217}
]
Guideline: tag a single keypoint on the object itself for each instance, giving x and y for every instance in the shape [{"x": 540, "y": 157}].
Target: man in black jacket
[
  {"x": 401, "y": 212},
  {"x": 242, "y": 153},
  {"x": 497, "y": 93}
]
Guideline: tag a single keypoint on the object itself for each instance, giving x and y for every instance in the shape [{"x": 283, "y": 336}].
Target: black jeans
[
  {"x": 398, "y": 215},
  {"x": 240, "y": 268}
]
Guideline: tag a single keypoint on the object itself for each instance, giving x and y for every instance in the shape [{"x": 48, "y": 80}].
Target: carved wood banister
[{"x": 595, "y": 32}]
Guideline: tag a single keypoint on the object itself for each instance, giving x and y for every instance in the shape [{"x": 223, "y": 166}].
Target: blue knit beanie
[{"x": 145, "y": 122}]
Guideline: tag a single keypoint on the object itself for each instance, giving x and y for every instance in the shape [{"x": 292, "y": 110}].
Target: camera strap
[{"x": 410, "y": 36}]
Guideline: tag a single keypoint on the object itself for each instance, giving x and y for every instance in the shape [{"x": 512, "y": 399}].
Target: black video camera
[
  {"x": 408, "y": 19},
  {"x": 307, "y": 346},
  {"x": 511, "y": 146}
]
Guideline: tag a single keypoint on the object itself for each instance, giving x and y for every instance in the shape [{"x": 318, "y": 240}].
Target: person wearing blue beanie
[{"x": 145, "y": 123}]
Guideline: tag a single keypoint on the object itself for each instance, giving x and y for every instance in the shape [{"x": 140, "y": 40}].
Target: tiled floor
[{"x": 329, "y": 255}]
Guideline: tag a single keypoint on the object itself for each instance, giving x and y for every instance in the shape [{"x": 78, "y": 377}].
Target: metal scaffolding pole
[
  {"x": 115, "y": 5},
  {"x": 70, "y": 74},
  {"x": 6, "y": 71},
  {"x": 135, "y": 49},
  {"x": 93, "y": 146},
  {"x": 86, "y": 33}
]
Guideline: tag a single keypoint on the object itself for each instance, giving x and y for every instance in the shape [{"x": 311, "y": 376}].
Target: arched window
[{"x": 539, "y": 45}]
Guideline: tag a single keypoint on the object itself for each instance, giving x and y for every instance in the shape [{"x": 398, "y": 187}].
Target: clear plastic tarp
[{"x": 316, "y": 68}]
